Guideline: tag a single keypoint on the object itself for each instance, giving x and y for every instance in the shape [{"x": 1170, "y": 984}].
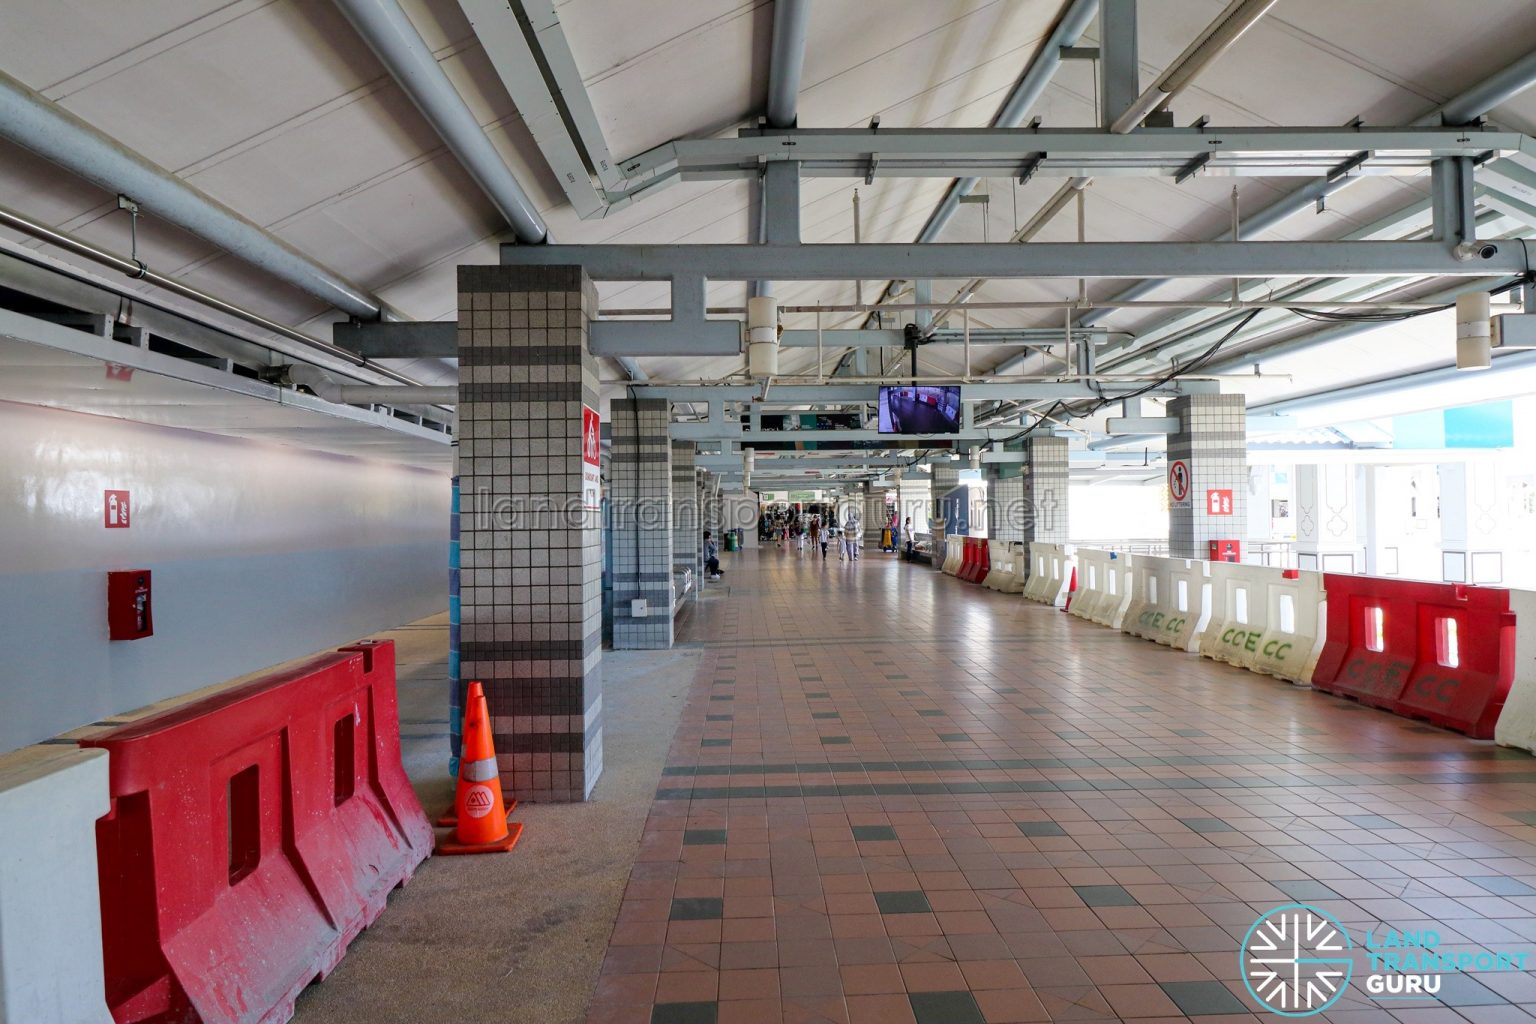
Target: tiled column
[
  {"x": 531, "y": 549},
  {"x": 945, "y": 478},
  {"x": 1212, "y": 441},
  {"x": 640, "y": 503},
  {"x": 875, "y": 518},
  {"x": 1005, "y": 501},
  {"x": 1044, "y": 481},
  {"x": 1331, "y": 518},
  {"x": 687, "y": 550}
]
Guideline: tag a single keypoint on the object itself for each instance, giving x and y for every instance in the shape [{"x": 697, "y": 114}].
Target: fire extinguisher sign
[
  {"x": 591, "y": 459},
  {"x": 115, "y": 510},
  {"x": 1218, "y": 502}
]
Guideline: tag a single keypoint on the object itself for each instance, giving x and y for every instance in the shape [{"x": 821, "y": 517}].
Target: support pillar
[
  {"x": 1331, "y": 518},
  {"x": 687, "y": 547},
  {"x": 1472, "y": 536},
  {"x": 875, "y": 518},
  {"x": 640, "y": 503},
  {"x": 1045, "y": 479},
  {"x": 529, "y": 532},
  {"x": 1212, "y": 443}
]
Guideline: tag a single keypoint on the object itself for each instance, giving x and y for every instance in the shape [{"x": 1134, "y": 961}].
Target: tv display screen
[{"x": 919, "y": 409}]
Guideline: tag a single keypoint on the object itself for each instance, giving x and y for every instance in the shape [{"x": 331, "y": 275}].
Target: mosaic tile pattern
[
  {"x": 687, "y": 530},
  {"x": 530, "y": 556},
  {"x": 1073, "y": 857},
  {"x": 639, "y": 490},
  {"x": 1213, "y": 439}
]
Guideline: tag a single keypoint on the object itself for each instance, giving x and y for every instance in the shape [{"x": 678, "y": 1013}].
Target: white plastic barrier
[
  {"x": 1517, "y": 722},
  {"x": 1267, "y": 620},
  {"x": 1002, "y": 567},
  {"x": 1018, "y": 560},
  {"x": 954, "y": 553},
  {"x": 50, "y": 904},
  {"x": 1120, "y": 592},
  {"x": 1172, "y": 599},
  {"x": 1050, "y": 573},
  {"x": 1093, "y": 598}
]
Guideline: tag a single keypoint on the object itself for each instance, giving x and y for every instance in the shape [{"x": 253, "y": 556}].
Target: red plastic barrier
[
  {"x": 1441, "y": 652},
  {"x": 967, "y": 559},
  {"x": 978, "y": 561},
  {"x": 252, "y": 836}
]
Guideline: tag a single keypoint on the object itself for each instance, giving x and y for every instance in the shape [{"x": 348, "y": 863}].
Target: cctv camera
[{"x": 1476, "y": 251}]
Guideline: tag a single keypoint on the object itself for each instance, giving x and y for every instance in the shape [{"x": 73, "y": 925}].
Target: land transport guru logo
[{"x": 1298, "y": 961}]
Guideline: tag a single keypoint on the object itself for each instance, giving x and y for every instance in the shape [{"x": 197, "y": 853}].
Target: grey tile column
[
  {"x": 875, "y": 518},
  {"x": 1044, "y": 479},
  {"x": 1212, "y": 441},
  {"x": 687, "y": 552},
  {"x": 530, "y": 542},
  {"x": 640, "y": 504},
  {"x": 1005, "y": 501}
]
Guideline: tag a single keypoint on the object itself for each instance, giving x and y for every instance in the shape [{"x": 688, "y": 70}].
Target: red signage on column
[
  {"x": 591, "y": 458},
  {"x": 1218, "y": 503},
  {"x": 115, "y": 512}
]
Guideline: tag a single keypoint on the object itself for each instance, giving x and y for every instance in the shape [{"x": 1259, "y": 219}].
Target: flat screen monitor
[{"x": 919, "y": 409}]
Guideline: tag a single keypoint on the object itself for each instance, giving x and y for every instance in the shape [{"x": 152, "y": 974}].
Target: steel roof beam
[
  {"x": 32, "y": 121},
  {"x": 914, "y": 152},
  {"x": 1474, "y": 102},
  {"x": 1076, "y": 16},
  {"x": 394, "y": 39},
  {"x": 1040, "y": 260}
]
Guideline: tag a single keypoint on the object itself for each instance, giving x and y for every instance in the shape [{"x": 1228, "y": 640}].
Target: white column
[
  {"x": 1471, "y": 522},
  {"x": 1328, "y": 520}
]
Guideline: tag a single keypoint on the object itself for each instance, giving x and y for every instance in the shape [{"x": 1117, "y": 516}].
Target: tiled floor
[{"x": 896, "y": 798}]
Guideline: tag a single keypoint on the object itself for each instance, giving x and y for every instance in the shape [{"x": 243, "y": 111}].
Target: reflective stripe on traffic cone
[{"x": 482, "y": 825}]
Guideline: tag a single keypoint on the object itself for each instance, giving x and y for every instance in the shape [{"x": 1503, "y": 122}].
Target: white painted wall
[{"x": 260, "y": 553}]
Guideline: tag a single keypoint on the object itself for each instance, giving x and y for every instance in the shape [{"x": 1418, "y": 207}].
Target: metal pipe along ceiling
[
  {"x": 791, "y": 23},
  {"x": 409, "y": 61},
  {"x": 1469, "y": 105},
  {"x": 1074, "y": 21},
  {"x": 29, "y": 119},
  {"x": 392, "y": 37},
  {"x": 123, "y": 265}
]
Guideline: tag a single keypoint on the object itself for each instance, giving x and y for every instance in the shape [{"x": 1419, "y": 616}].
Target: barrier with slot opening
[
  {"x": 977, "y": 564},
  {"x": 1170, "y": 601},
  {"x": 253, "y": 835},
  {"x": 1441, "y": 652},
  {"x": 1118, "y": 590},
  {"x": 1101, "y": 595},
  {"x": 1517, "y": 722},
  {"x": 1002, "y": 573},
  {"x": 1050, "y": 574},
  {"x": 1267, "y": 620},
  {"x": 954, "y": 551}
]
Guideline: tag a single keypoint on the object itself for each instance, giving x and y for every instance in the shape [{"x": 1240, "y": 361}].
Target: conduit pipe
[
  {"x": 29, "y": 119},
  {"x": 1069, "y": 28},
  {"x": 1218, "y": 37},
  {"x": 139, "y": 272},
  {"x": 395, "y": 41}
]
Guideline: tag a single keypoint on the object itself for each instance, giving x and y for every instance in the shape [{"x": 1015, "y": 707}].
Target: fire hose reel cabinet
[{"x": 129, "y": 605}]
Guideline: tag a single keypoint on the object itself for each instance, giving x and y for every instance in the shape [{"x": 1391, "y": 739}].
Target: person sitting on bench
[{"x": 711, "y": 557}]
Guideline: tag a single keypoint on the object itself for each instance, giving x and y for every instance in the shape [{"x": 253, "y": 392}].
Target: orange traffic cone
[
  {"x": 482, "y": 825},
  {"x": 1071, "y": 589}
]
